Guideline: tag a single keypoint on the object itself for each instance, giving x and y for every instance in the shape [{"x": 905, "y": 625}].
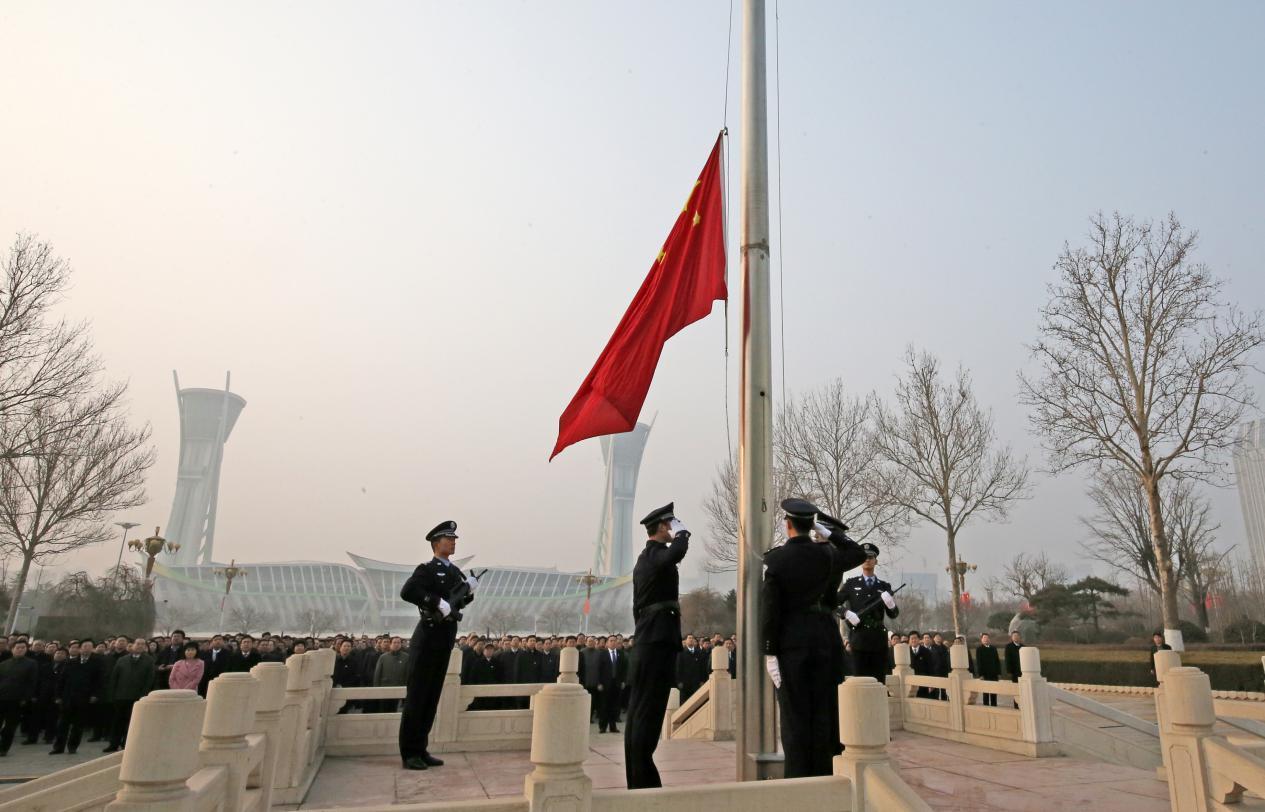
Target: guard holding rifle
[
  {"x": 657, "y": 613},
  {"x": 440, "y": 590},
  {"x": 801, "y": 638},
  {"x": 868, "y": 598}
]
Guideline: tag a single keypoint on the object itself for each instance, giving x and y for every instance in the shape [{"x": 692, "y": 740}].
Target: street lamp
[
  {"x": 588, "y": 580},
  {"x": 962, "y": 569},
  {"x": 152, "y": 546},
  {"x": 228, "y": 573},
  {"x": 122, "y": 543}
]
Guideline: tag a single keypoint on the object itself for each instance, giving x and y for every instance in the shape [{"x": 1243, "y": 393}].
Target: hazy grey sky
[{"x": 408, "y": 229}]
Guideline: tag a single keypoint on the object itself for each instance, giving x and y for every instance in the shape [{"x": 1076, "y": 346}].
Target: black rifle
[
  {"x": 458, "y": 598},
  {"x": 841, "y": 612}
]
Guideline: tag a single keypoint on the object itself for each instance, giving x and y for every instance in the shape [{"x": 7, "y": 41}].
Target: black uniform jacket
[
  {"x": 429, "y": 583},
  {"x": 798, "y": 597},
  {"x": 870, "y": 635},
  {"x": 656, "y": 580}
]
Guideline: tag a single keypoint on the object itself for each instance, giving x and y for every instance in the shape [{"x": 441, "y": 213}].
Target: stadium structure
[
  {"x": 317, "y": 597},
  {"x": 1249, "y": 471}
]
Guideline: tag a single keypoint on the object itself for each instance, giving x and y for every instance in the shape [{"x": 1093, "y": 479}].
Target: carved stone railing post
[
  {"x": 674, "y": 703},
  {"x": 959, "y": 662},
  {"x": 1191, "y": 716},
  {"x": 161, "y": 753},
  {"x": 293, "y": 742},
  {"x": 1034, "y": 698},
  {"x": 897, "y": 685},
  {"x": 322, "y": 686},
  {"x": 721, "y": 701},
  {"x": 272, "y": 691},
  {"x": 569, "y": 666},
  {"x": 447, "y": 716},
  {"x": 559, "y": 747},
  {"x": 230, "y": 714},
  {"x": 864, "y": 729}
]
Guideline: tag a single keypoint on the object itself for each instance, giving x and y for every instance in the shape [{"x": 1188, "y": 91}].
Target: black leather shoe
[
  {"x": 55, "y": 752},
  {"x": 415, "y": 763},
  {"x": 431, "y": 761},
  {"x": 614, "y": 730},
  {"x": 110, "y": 749},
  {"x": 72, "y": 750}
]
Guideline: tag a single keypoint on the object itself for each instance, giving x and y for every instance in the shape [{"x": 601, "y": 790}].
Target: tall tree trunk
[
  {"x": 955, "y": 586},
  {"x": 18, "y": 589},
  {"x": 1163, "y": 563}
]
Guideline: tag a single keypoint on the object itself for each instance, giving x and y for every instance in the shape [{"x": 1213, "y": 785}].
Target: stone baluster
[
  {"x": 721, "y": 692},
  {"x": 559, "y": 747},
  {"x": 674, "y": 703},
  {"x": 161, "y": 754},
  {"x": 293, "y": 741},
  {"x": 447, "y": 727},
  {"x": 865, "y": 731},
  {"x": 231, "y": 700},
  {"x": 1191, "y": 716},
  {"x": 322, "y": 687},
  {"x": 959, "y": 662},
  {"x": 898, "y": 686},
  {"x": 272, "y": 692},
  {"x": 1034, "y": 698},
  {"x": 569, "y": 666}
]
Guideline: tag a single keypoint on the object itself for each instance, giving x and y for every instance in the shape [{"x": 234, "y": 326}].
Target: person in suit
[
  {"x": 869, "y": 601},
  {"x": 246, "y": 657},
  {"x": 612, "y": 670},
  {"x": 168, "y": 656},
  {"x": 920, "y": 661},
  {"x": 216, "y": 658},
  {"x": 942, "y": 663},
  {"x": 429, "y": 588},
  {"x": 732, "y": 649},
  {"x": 800, "y": 634},
  {"x": 1013, "y": 667},
  {"x": 19, "y": 683},
  {"x": 657, "y": 614},
  {"x": 691, "y": 663},
  {"x": 529, "y": 668},
  {"x": 989, "y": 665},
  {"x": 80, "y": 693},
  {"x": 485, "y": 670},
  {"x": 130, "y": 680}
]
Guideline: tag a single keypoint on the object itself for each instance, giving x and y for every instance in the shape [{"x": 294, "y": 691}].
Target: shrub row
[{"x": 1224, "y": 676}]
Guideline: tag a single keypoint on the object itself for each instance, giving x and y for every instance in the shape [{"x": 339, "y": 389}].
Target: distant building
[
  {"x": 1249, "y": 469},
  {"x": 622, "y": 454},
  {"x": 925, "y": 585}
]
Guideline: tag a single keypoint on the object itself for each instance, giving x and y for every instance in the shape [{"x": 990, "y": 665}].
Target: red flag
[
  {"x": 586, "y": 606},
  {"x": 686, "y": 277}
]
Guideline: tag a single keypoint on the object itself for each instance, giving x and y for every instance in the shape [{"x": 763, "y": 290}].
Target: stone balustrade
[
  {"x": 711, "y": 713},
  {"x": 1024, "y": 727}
]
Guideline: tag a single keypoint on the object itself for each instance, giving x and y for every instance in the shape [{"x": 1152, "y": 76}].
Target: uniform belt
[{"x": 655, "y": 607}]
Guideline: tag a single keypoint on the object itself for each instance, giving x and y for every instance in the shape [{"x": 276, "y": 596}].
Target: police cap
[
  {"x": 870, "y": 550},
  {"x": 443, "y": 529},
  {"x": 799, "y": 508},
  {"x": 663, "y": 514}
]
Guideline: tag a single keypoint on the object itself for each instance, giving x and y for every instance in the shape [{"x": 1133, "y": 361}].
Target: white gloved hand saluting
[
  {"x": 444, "y": 608},
  {"x": 852, "y": 617},
  {"x": 472, "y": 582},
  {"x": 822, "y": 530},
  {"x": 888, "y": 599},
  {"x": 775, "y": 673},
  {"x": 677, "y": 526}
]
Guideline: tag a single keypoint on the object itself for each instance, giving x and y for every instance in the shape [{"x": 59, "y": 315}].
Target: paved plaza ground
[{"x": 946, "y": 774}]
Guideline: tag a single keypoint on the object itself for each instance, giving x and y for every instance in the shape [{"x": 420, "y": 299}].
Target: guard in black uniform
[
  {"x": 429, "y": 587},
  {"x": 801, "y": 639},
  {"x": 657, "y": 613},
  {"x": 869, "y": 599}
]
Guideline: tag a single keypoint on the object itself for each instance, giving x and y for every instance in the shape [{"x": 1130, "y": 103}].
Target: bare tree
[
  {"x": 249, "y": 618},
  {"x": 823, "y": 451},
  {"x": 169, "y": 618},
  {"x": 1142, "y": 366},
  {"x": 1193, "y": 535},
  {"x": 611, "y": 620},
  {"x": 1025, "y": 575},
  {"x": 314, "y": 622},
  {"x": 557, "y": 616},
  {"x": 43, "y": 361},
  {"x": 83, "y": 463},
  {"x": 940, "y": 456}
]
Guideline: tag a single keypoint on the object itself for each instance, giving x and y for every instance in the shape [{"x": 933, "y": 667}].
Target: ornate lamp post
[
  {"x": 588, "y": 580},
  {"x": 229, "y": 573},
  {"x": 962, "y": 569},
  {"x": 152, "y": 546},
  {"x": 122, "y": 543}
]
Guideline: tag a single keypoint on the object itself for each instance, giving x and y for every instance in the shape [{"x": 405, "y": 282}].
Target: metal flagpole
[{"x": 757, "y": 739}]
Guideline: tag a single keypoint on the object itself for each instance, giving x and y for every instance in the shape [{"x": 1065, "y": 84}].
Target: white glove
[
  {"x": 775, "y": 673},
  {"x": 677, "y": 526},
  {"x": 888, "y": 599},
  {"x": 852, "y": 617},
  {"x": 473, "y": 582},
  {"x": 822, "y": 530},
  {"x": 444, "y": 608}
]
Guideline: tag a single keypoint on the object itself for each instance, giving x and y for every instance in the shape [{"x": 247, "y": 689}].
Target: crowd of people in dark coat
[{"x": 929, "y": 657}]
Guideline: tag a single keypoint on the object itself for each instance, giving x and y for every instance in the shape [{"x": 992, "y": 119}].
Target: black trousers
[
  {"x": 425, "y": 682},
  {"x": 10, "y": 718},
  {"x": 122, "y": 710},
  {"x": 990, "y": 699},
  {"x": 870, "y": 664},
  {"x": 809, "y": 734},
  {"x": 75, "y": 716},
  {"x": 651, "y": 678},
  {"x": 608, "y": 706}
]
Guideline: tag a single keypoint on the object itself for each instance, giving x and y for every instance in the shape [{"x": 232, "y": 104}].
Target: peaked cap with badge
[
  {"x": 446, "y": 529},
  {"x": 663, "y": 514}
]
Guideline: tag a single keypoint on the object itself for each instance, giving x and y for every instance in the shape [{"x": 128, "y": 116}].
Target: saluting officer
[
  {"x": 429, "y": 587},
  {"x": 657, "y": 613},
  {"x": 868, "y": 599},
  {"x": 801, "y": 640}
]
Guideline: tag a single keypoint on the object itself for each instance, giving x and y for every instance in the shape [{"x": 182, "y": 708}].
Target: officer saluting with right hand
[{"x": 657, "y": 613}]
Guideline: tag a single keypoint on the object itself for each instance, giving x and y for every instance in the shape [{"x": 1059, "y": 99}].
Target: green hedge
[{"x": 1224, "y": 677}]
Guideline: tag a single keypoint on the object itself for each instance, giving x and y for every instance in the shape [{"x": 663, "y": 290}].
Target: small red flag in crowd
[{"x": 687, "y": 276}]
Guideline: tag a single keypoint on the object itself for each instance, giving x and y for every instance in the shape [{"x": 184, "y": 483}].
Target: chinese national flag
[{"x": 686, "y": 277}]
